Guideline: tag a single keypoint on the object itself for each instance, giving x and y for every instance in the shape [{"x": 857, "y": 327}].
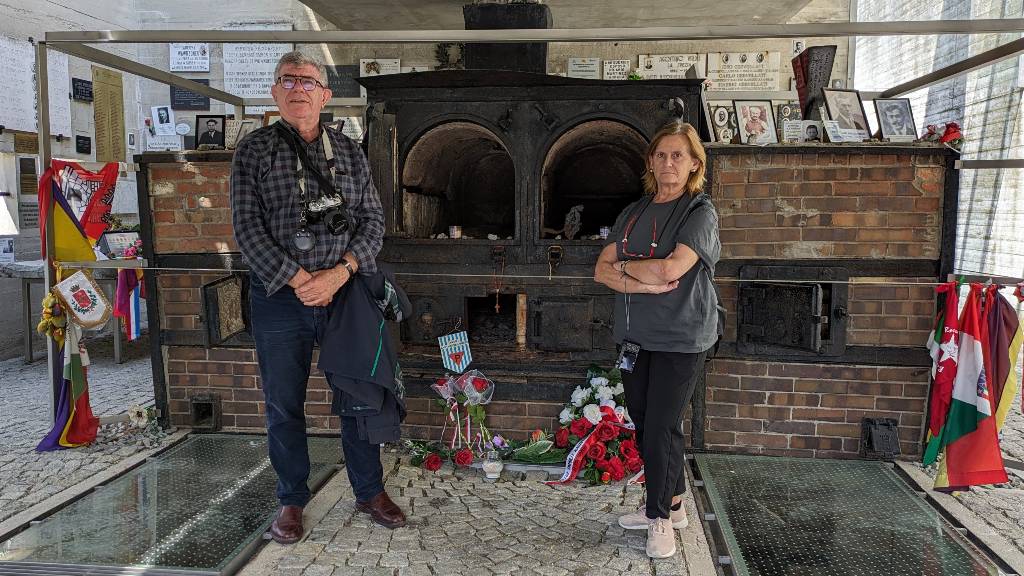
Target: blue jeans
[{"x": 285, "y": 331}]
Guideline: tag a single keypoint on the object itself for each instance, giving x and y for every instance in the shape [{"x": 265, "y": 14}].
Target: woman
[{"x": 665, "y": 247}]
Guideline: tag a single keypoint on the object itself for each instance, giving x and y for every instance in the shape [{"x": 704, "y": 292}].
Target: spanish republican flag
[
  {"x": 942, "y": 344},
  {"x": 969, "y": 435},
  {"x": 1005, "y": 338}
]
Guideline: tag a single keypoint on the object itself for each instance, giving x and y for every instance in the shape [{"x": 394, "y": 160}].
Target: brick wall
[{"x": 774, "y": 205}]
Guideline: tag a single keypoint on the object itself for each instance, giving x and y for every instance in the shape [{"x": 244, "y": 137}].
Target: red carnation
[
  {"x": 606, "y": 432},
  {"x": 605, "y": 477},
  {"x": 580, "y": 427},
  {"x": 479, "y": 383},
  {"x": 464, "y": 457},
  {"x": 634, "y": 465},
  {"x": 432, "y": 462},
  {"x": 628, "y": 449},
  {"x": 616, "y": 468},
  {"x": 597, "y": 452},
  {"x": 562, "y": 438}
]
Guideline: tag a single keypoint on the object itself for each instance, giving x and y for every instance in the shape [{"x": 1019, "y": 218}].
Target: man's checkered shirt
[{"x": 265, "y": 206}]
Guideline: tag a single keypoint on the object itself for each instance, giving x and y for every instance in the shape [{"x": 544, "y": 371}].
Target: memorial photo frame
[
  {"x": 210, "y": 130},
  {"x": 236, "y": 130},
  {"x": 847, "y": 109},
  {"x": 722, "y": 121},
  {"x": 755, "y": 121},
  {"x": 896, "y": 119},
  {"x": 271, "y": 116},
  {"x": 114, "y": 244}
]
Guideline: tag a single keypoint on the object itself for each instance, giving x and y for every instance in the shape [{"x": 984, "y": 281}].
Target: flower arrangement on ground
[{"x": 597, "y": 430}]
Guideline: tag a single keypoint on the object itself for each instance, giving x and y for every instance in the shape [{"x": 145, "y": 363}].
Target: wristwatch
[{"x": 348, "y": 267}]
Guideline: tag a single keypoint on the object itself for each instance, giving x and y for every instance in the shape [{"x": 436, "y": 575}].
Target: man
[
  {"x": 811, "y": 133},
  {"x": 847, "y": 118},
  {"x": 754, "y": 126},
  {"x": 299, "y": 258},
  {"x": 212, "y": 135},
  {"x": 896, "y": 120},
  {"x": 163, "y": 116}
]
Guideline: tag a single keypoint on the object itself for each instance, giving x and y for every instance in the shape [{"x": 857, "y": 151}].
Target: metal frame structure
[{"x": 76, "y": 44}]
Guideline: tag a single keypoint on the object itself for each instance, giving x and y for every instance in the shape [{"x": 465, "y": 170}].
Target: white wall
[{"x": 987, "y": 105}]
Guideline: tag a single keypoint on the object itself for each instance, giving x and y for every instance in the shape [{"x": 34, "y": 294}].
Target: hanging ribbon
[{"x": 578, "y": 455}]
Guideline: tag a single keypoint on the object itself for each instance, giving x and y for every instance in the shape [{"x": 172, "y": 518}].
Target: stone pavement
[
  {"x": 461, "y": 524},
  {"x": 28, "y": 477}
]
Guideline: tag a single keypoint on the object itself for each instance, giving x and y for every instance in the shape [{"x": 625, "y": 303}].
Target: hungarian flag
[
  {"x": 942, "y": 344},
  {"x": 969, "y": 435}
]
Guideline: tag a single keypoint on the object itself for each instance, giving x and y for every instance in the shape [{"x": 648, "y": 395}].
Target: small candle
[
  {"x": 492, "y": 470},
  {"x": 455, "y": 232}
]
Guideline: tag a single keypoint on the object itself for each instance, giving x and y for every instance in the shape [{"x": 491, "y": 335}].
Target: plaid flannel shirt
[{"x": 265, "y": 206}]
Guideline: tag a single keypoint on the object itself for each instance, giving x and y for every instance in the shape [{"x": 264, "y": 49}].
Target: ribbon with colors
[{"x": 74, "y": 238}]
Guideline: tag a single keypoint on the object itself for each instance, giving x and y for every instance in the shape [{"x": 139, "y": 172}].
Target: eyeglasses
[{"x": 308, "y": 84}]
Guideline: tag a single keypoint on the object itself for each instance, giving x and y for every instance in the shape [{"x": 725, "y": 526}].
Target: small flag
[{"x": 455, "y": 354}]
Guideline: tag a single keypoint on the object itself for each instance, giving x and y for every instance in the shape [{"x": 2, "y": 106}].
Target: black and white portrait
[
  {"x": 896, "y": 119},
  {"x": 845, "y": 108},
  {"x": 163, "y": 120},
  {"x": 209, "y": 131}
]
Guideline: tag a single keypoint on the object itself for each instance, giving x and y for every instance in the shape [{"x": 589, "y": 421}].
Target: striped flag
[
  {"x": 455, "y": 354},
  {"x": 127, "y": 302},
  {"x": 969, "y": 435}
]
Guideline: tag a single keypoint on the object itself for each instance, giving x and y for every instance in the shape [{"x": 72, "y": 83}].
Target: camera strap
[{"x": 304, "y": 164}]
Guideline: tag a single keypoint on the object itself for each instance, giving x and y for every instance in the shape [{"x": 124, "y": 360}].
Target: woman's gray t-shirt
[{"x": 685, "y": 319}]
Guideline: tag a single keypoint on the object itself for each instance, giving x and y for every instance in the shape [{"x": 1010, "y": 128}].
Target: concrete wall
[
  {"x": 986, "y": 103},
  {"x": 32, "y": 19}
]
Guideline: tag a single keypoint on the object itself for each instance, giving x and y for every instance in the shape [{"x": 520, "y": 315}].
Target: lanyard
[
  {"x": 655, "y": 235},
  {"x": 300, "y": 173}
]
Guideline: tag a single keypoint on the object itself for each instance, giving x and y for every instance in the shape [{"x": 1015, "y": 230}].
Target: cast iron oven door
[{"x": 792, "y": 310}]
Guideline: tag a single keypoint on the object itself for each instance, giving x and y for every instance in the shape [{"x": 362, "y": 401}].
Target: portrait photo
[
  {"x": 209, "y": 130},
  {"x": 756, "y": 121},
  {"x": 845, "y": 107},
  {"x": 896, "y": 119},
  {"x": 163, "y": 120},
  {"x": 723, "y": 121}
]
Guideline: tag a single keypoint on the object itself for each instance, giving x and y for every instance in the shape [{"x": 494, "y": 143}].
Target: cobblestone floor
[
  {"x": 461, "y": 524},
  {"x": 28, "y": 477}
]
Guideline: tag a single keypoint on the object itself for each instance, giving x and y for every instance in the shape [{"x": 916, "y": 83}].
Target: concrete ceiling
[{"x": 447, "y": 14}]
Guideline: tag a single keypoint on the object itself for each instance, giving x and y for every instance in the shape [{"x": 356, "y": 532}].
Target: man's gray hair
[{"x": 296, "y": 58}]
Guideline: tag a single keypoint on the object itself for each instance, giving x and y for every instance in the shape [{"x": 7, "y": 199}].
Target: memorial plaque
[
  {"x": 108, "y": 115},
  {"x": 342, "y": 81},
  {"x": 616, "y": 69},
  {"x": 83, "y": 144},
  {"x": 666, "y": 66},
  {"x": 182, "y": 99},
  {"x": 190, "y": 57},
  {"x": 744, "y": 71},
  {"x": 249, "y": 68},
  {"x": 26, "y": 143},
  {"x": 585, "y": 68},
  {"x": 81, "y": 90},
  {"x": 28, "y": 213}
]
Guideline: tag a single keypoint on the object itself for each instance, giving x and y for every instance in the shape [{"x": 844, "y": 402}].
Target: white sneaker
[
  {"x": 638, "y": 520},
  {"x": 661, "y": 539}
]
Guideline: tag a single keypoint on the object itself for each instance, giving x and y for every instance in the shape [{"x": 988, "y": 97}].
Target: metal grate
[
  {"x": 197, "y": 507},
  {"x": 815, "y": 517}
]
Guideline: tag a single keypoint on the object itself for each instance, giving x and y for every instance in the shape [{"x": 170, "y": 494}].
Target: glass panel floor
[
  {"x": 194, "y": 507},
  {"x": 813, "y": 517}
]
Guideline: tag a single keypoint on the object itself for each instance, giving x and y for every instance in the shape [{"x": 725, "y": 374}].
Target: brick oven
[{"x": 846, "y": 237}]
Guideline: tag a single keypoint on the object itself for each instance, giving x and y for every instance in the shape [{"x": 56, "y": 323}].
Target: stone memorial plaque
[
  {"x": 585, "y": 68},
  {"x": 744, "y": 71},
  {"x": 616, "y": 69},
  {"x": 190, "y": 57},
  {"x": 667, "y": 66},
  {"x": 83, "y": 144},
  {"x": 249, "y": 68},
  {"x": 81, "y": 90},
  {"x": 182, "y": 99},
  {"x": 341, "y": 80}
]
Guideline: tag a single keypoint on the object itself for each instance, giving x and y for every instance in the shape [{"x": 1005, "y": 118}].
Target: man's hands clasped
[{"x": 318, "y": 288}]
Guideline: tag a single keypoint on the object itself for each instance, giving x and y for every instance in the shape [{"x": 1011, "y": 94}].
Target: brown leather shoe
[
  {"x": 383, "y": 511},
  {"x": 287, "y": 527}
]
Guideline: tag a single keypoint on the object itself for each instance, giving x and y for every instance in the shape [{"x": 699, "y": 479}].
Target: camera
[{"x": 330, "y": 209}]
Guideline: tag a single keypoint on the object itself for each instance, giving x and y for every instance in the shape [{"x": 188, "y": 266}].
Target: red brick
[
  {"x": 723, "y": 410},
  {"x": 723, "y": 381},
  {"x": 735, "y": 424},
  {"x": 846, "y": 401},
  {"x": 767, "y": 384},
  {"x": 820, "y": 386},
  {"x": 773, "y": 175},
  {"x": 790, "y": 427},
  {"x": 737, "y": 396},
  {"x": 815, "y": 443},
  {"x": 900, "y": 404},
  {"x": 766, "y": 440},
  {"x": 720, "y": 438},
  {"x": 815, "y": 414},
  {"x": 841, "y": 430},
  {"x": 246, "y": 369},
  {"x": 789, "y": 399},
  {"x": 765, "y": 412},
  {"x": 722, "y": 366},
  {"x": 876, "y": 388},
  {"x": 248, "y": 394}
]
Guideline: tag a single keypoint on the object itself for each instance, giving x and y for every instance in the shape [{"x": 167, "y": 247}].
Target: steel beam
[
  {"x": 989, "y": 164},
  {"x": 1008, "y": 50},
  {"x": 841, "y": 29},
  {"x": 125, "y": 65}
]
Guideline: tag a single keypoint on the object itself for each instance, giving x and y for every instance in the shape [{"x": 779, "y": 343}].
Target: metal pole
[{"x": 43, "y": 116}]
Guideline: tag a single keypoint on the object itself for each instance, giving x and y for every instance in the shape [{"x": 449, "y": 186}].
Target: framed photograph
[
  {"x": 707, "y": 115},
  {"x": 801, "y": 131},
  {"x": 756, "y": 121},
  {"x": 271, "y": 116},
  {"x": 210, "y": 130},
  {"x": 723, "y": 120},
  {"x": 787, "y": 111},
  {"x": 163, "y": 120},
  {"x": 896, "y": 119},
  {"x": 846, "y": 109},
  {"x": 131, "y": 140},
  {"x": 237, "y": 129},
  {"x": 113, "y": 244}
]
